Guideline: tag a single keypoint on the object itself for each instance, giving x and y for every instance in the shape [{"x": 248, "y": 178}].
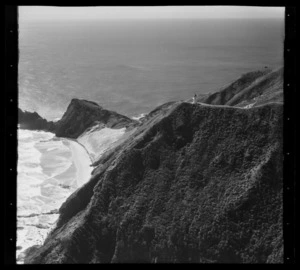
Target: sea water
[
  {"x": 133, "y": 66},
  {"x": 46, "y": 177}
]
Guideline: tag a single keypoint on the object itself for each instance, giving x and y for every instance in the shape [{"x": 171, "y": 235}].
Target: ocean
[
  {"x": 47, "y": 176},
  {"x": 129, "y": 66},
  {"x": 132, "y": 66}
]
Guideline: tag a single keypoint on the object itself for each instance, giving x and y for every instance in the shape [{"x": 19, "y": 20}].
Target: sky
[{"x": 41, "y": 13}]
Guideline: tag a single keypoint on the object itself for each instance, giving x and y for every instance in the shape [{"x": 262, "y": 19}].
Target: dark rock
[
  {"x": 33, "y": 121},
  {"x": 28, "y": 252}
]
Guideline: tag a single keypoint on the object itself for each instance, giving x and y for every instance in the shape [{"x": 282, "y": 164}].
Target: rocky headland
[
  {"x": 79, "y": 116},
  {"x": 198, "y": 183}
]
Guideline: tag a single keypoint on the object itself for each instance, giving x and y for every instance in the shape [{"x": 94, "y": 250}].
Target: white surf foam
[
  {"x": 39, "y": 192},
  {"x": 49, "y": 170}
]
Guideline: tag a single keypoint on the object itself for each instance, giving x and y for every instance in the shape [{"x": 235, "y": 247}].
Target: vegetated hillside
[
  {"x": 193, "y": 184},
  {"x": 252, "y": 89},
  {"x": 83, "y": 114}
]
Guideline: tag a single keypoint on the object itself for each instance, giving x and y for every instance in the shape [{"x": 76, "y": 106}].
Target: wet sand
[{"x": 82, "y": 162}]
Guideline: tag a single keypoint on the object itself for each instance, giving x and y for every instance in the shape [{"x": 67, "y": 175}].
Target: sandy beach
[
  {"x": 82, "y": 162},
  {"x": 98, "y": 140}
]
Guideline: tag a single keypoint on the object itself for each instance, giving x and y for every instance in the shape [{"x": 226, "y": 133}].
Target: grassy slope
[{"x": 255, "y": 88}]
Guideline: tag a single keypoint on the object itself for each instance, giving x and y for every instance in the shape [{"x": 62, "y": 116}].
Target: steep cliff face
[
  {"x": 82, "y": 114},
  {"x": 33, "y": 121},
  {"x": 193, "y": 184}
]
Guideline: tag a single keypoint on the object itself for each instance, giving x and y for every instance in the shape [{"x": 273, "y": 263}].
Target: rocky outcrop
[
  {"x": 195, "y": 184},
  {"x": 82, "y": 114},
  {"x": 33, "y": 121}
]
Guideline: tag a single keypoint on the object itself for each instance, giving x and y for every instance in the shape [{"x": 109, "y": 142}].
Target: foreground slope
[{"x": 192, "y": 184}]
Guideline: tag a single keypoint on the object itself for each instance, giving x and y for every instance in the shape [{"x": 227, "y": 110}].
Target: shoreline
[
  {"x": 76, "y": 141},
  {"x": 82, "y": 161}
]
